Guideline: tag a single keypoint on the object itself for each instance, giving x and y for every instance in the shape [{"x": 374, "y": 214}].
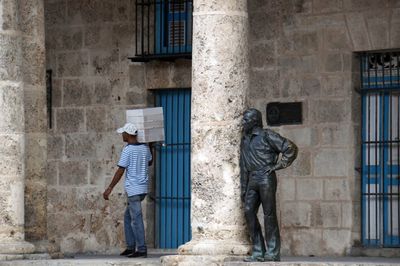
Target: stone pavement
[{"x": 154, "y": 259}]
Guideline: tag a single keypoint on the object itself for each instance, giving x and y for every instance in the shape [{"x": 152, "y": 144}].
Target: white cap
[{"x": 128, "y": 128}]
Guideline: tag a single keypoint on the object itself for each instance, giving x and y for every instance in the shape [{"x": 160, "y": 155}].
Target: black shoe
[
  {"x": 138, "y": 254},
  {"x": 272, "y": 258},
  {"x": 127, "y": 252}
]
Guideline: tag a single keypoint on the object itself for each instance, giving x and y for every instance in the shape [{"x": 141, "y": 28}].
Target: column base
[
  {"x": 215, "y": 247},
  {"x": 195, "y": 260},
  {"x": 16, "y": 247}
]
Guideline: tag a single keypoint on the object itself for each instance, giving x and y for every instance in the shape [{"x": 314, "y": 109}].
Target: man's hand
[{"x": 107, "y": 193}]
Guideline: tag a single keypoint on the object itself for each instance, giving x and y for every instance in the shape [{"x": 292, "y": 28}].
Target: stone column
[
  {"x": 21, "y": 75},
  {"x": 219, "y": 84}
]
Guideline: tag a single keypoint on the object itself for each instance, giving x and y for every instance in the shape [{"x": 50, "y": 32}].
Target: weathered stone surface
[
  {"x": 97, "y": 11},
  {"x": 158, "y": 75},
  {"x": 56, "y": 93},
  {"x": 296, "y": 214},
  {"x": 73, "y": 173},
  {"x": 222, "y": 196},
  {"x": 89, "y": 146},
  {"x": 331, "y": 162},
  {"x": 337, "y": 39},
  {"x": 358, "y": 31},
  {"x": 98, "y": 36},
  {"x": 11, "y": 104},
  {"x": 293, "y": 242},
  {"x": 287, "y": 188},
  {"x": 304, "y": 43},
  {"x": 121, "y": 37},
  {"x": 303, "y": 64},
  {"x": 97, "y": 119},
  {"x": 55, "y": 13},
  {"x": 327, "y": 6},
  {"x": 265, "y": 83},
  {"x": 70, "y": 38},
  {"x": 337, "y": 189},
  {"x": 362, "y": 4},
  {"x": 72, "y": 64},
  {"x": 302, "y": 136},
  {"x": 12, "y": 145},
  {"x": 225, "y": 86},
  {"x": 136, "y": 98},
  {"x": 181, "y": 76},
  {"x": 35, "y": 111},
  {"x": 215, "y": 132},
  {"x": 105, "y": 62},
  {"x": 336, "y": 241},
  {"x": 137, "y": 75},
  {"x": 310, "y": 86},
  {"x": 226, "y": 7},
  {"x": 333, "y": 63},
  {"x": 33, "y": 61},
  {"x": 329, "y": 111},
  {"x": 292, "y": 86},
  {"x": 262, "y": 26},
  {"x": 334, "y": 85},
  {"x": 329, "y": 215},
  {"x": 9, "y": 18},
  {"x": 263, "y": 55},
  {"x": 348, "y": 215},
  {"x": 395, "y": 35},
  {"x": 77, "y": 92},
  {"x": 336, "y": 135},
  {"x": 309, "y": 189},
  {"x": 51, "y": 173},
  {"x": 35, "y": 210},
  {"x": 35, "y": 156},
  {"x": 70, "y": 120},
  {"x": 55, "y": 147},
  {"x": 100, "y": 171},
  {"x": 10, "y": 58}
]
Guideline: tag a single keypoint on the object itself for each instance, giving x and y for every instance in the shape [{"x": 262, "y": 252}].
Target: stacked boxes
[{"x": 149, "y": 122}]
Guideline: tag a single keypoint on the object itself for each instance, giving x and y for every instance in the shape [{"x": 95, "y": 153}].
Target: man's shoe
[
  {"x": 127, "y": 252},
  {"x": 138, "y": 254}
]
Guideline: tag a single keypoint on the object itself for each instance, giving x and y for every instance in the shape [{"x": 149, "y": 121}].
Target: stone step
[{"x": 155, "y": 260}]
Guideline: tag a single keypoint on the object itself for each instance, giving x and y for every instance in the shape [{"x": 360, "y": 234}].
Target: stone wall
[
  {"x": 303, "y": 50},
  {"x": 87, "y": 48}
]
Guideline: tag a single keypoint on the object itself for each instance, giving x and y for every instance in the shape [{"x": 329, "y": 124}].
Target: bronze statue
[{"x": 259, "y": 159}]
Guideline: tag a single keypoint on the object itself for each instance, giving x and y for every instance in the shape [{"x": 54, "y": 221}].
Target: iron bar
[
  {"x": 148, "y": 27},
  {"x": 380, "y": 75},
  {"x": 136, "y": 28}
]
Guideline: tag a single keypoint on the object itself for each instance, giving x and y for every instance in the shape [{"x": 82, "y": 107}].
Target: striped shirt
[{"x": 135, "y": 159}]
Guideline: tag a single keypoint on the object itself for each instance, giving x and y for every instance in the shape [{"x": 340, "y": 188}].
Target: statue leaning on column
[{"x": 259, "y": 159}]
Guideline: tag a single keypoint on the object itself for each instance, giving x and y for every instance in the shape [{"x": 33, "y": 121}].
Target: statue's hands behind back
[{"x": 243, "y": 195}]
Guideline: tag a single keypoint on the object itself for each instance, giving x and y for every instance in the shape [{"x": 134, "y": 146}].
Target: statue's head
[{"x": 251, "y": 118}]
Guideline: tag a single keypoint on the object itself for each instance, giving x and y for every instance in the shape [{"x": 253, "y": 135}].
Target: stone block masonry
[{"x": 310, "y": 59}]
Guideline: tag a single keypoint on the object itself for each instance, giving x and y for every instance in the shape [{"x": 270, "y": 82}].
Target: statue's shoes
[{"x": 269, "y": 258}]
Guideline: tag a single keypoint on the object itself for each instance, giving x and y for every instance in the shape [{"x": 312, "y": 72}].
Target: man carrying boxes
[{"x": 136, "y": 157}]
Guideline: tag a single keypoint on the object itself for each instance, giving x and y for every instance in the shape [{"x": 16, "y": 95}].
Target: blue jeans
[{"x": 133, "y": 224}]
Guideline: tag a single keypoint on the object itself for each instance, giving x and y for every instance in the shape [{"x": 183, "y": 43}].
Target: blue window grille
[
  {"x": 173, "y": 182},
  {"x": 163, "y": 30},
  {"x": 380, "y": 149}
]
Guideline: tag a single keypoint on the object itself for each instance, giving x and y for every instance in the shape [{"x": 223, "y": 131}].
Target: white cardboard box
[{"x": 149, "y": 122}]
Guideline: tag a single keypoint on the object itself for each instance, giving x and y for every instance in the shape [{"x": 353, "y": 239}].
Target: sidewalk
[{"x": 154, "y": 260}]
